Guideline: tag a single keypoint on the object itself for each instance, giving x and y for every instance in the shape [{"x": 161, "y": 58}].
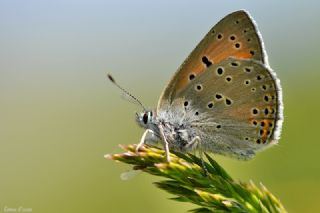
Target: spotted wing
[
  {"x": 238, "y": 105},
  {"x": 234, "y": 36}
]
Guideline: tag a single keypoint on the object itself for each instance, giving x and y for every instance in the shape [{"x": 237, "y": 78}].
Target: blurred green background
[{"x": 59, "y": 115}]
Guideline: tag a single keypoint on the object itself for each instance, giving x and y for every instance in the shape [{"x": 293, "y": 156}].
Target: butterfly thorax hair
[{"x": 176, "y": 125}]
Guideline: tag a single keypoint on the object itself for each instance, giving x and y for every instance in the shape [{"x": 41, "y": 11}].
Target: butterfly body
[
  {"x": 223, "y": 99},
  {"x": 177, "y": 130}
]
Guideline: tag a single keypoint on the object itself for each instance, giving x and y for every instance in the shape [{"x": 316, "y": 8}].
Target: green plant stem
[{"x": 213, "y": 190}]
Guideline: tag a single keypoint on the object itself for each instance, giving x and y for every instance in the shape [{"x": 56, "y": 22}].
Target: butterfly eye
[{"x": 145, "y": 118}]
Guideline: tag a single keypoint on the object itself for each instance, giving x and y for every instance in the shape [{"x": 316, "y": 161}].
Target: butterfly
[{"x": 223, "y": 99}]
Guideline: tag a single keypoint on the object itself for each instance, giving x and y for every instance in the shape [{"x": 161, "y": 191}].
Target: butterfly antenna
[{"x": 125, "y": 91}]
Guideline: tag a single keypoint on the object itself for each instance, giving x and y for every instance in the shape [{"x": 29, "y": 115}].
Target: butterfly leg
[
  {"x": 144, "y": 138},
  {"x": 194, "y": 144},
  {"x": 165, "y": 143},
  {"x": 203, "y": 164}
]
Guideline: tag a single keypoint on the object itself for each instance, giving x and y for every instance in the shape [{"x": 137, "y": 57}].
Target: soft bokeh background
[{"x": 59, "y": 115}]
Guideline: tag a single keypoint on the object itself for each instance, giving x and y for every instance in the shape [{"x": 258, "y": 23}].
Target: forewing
[
  {"x": 238, "y": 103},
  {"x": 233, "y": 36}
]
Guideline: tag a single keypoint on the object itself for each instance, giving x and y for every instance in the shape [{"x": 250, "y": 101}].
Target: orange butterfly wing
[{"x": 233, "y": 36}]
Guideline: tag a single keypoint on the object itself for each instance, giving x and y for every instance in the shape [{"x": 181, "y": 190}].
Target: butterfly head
[{"x": 145, "y": 118}]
